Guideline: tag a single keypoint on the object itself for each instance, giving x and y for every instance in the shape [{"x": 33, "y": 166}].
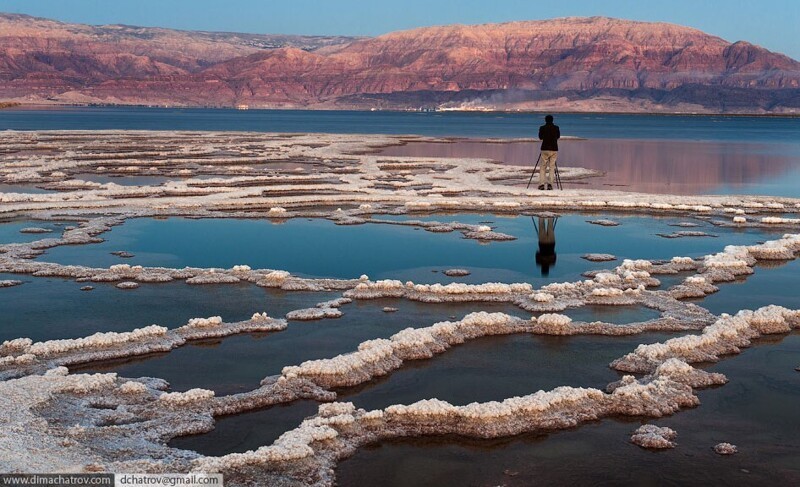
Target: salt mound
[
  {"x": 603, "y": 223},
  {"x": 725, "y": 449},
  {"x": 309, "y": 314},
  {"x": 652, "y": 436}
]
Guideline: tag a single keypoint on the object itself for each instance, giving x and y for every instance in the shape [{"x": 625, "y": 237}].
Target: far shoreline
[{"x": 16, "y": 106}]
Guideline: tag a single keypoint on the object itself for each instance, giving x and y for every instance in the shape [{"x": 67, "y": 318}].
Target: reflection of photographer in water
[{"x": 546, "y": 256}]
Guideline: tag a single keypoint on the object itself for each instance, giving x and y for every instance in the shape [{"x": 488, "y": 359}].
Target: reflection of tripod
[{"x": 555, "y": 169}]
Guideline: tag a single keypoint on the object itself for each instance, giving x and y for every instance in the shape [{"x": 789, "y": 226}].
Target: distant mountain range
[{"x": 567, "y": 64}]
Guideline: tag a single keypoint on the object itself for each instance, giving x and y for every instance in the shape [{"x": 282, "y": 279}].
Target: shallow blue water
[
  {"x": 48, "y": 308},
  {"x": 10, "y": 230},
  {"x": 438, "y": 124},
  {"x": 384, "y": 251}
]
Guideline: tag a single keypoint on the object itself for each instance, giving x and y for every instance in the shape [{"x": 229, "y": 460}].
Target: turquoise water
[
  {"x": 10, "y": 230},
  {"x": 48, "y": 308},
  {"x": 437, "y": 124},
  {"x": 383, "y": 251}
]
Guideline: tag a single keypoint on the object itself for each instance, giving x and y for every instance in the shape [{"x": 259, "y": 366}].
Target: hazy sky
[{"x": 769, "y": 23}]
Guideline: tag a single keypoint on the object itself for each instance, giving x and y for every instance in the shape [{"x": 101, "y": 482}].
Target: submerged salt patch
[
  {"x": 128, "y": 285},
  {"x": 603, "y": 222},
  {"x": 599, "y": 257}
]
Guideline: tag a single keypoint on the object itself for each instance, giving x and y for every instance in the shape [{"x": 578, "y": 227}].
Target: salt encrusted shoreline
[
  {"x": 22, "y": 356},
  {"x": 68, "y": 422},
  {"x": 348, "y": 176}
]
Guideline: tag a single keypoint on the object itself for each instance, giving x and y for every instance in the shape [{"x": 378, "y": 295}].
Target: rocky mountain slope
[{"x": 568, "y": 64}]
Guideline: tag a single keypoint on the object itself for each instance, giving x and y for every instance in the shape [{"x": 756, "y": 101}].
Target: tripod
[{"x": 555, "y": 168}]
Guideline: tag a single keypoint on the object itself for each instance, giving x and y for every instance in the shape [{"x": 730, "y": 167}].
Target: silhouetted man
[{"x": 549, "y": 134}]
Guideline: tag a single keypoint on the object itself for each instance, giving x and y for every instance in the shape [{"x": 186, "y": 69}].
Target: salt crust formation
[
  {"x": 229, "y": 172},
  {"x": 654, "y": 437},
  {"x": 74, "y": 420},
  {"x": 35, "y": 230},
  {"x": 22, "y": 356},
  {"x": 313, "y": 314},
  {"x": 727, "y": 335},
  {"x": 725, "y": 449},
  {"x": 339, "y": 428},
  {"x": 603, "y": 222}
]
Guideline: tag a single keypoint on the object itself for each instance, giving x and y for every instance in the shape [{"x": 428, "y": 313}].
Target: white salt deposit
[
  {"x": 725, "y": 449},
  {"x": 655, "y": 437}
]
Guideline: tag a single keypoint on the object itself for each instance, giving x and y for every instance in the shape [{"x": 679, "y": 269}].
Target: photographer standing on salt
[{"x": 549, "y": 134}]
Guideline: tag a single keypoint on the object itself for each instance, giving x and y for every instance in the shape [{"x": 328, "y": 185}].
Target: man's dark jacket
[{"x": 549, "y": 133}]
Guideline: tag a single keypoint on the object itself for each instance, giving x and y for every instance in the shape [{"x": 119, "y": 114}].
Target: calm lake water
[
  {"x": 457, "y": 124},
  {"x": 321, "y": 248}
]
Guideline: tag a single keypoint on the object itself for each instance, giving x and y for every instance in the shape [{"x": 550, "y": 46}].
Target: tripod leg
[
  {"x": 534, "y": 171},
  {"x": 558, "y": 177},
  {"x": 560, "y": 186}
]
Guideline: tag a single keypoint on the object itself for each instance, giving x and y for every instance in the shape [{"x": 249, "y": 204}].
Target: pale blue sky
[{"x": 769, "y": 23}]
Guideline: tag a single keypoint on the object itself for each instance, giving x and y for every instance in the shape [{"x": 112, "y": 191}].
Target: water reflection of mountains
[{"x": 655, "y": 166}]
